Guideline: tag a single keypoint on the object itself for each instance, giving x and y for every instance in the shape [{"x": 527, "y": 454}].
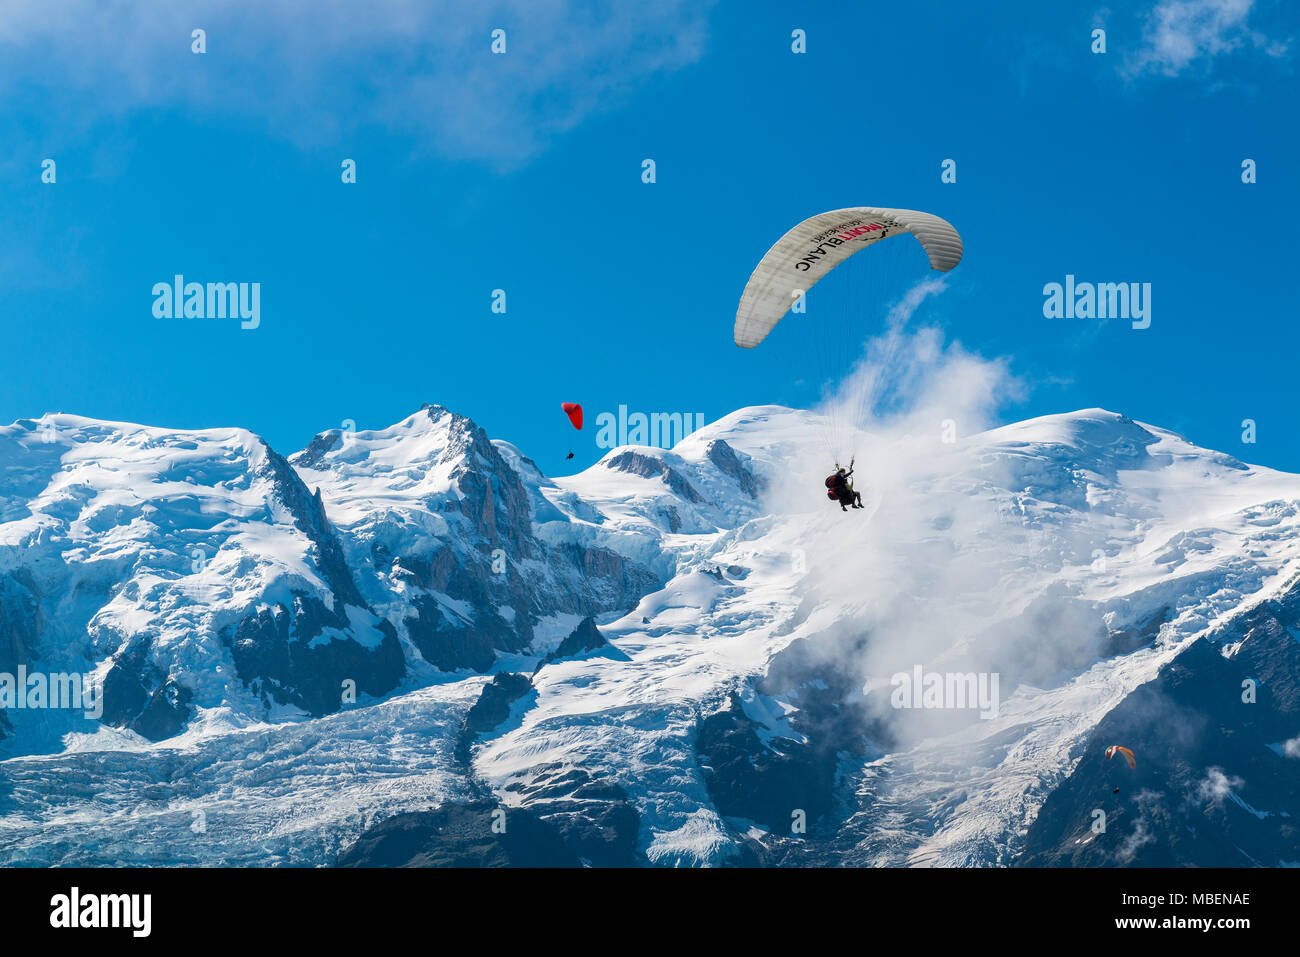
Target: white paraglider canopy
[{"x": 809, "y": 251}]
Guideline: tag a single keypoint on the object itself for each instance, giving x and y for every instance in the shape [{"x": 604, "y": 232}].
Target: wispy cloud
[
  {"x": 319, "y": 70},
  {"x": 1216, "y": 786},
  {"x": 1182, "y": 33}
]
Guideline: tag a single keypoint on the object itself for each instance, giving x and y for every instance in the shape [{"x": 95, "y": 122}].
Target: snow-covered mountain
[
  {"x": 370, "y": 651},
  {"x": 185, "y": 570},
  {"x": 438, "y": 525}
]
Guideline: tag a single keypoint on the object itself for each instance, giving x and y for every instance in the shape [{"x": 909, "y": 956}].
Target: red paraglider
[{"x": 574, "y": 412}]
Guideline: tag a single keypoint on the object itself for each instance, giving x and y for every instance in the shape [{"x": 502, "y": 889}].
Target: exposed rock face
[
  {"x": 475, "y": 834},
  {"x": 606, "y": 580},
  {"x": 274, "y": 653},
  {"x": 649, "y": 466},
  {"x": 1123, "y": 641},
  {"x": 493, "y": 705},
  {"x": 774, "y": 782},
  {"x": 317, "y": 448},
  {"x": 166, "y": 712},
  {"x": 728, "y": 462},
  {"x": 446, "y": 643},
  {"x": 309, "y": 516},
  {"x": 490, "y": 710},
  {"x": 20, "y": 619},
  {"x": 138, "y": 696},
  {"x": 586, "y": 637},
  {"x": 1267, "y": 652},
  {"x": 275, "y": 648},
  {"x": 594, "y": 817},
  {"x": 20, "y": 625}
]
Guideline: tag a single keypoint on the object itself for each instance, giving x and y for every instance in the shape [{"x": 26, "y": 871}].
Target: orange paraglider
[{"x": 1115, "y": 749}]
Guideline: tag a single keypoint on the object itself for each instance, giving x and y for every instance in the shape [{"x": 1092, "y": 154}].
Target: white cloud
[
  {"x": 1217, "y": 786},
  {"x": 322, "y": 70},
  {"x": 1179, "y": 33},
  {"x": 1139, "y": 834}
]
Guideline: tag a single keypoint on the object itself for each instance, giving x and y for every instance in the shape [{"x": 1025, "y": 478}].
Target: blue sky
[{"x": 522, "y": 172}]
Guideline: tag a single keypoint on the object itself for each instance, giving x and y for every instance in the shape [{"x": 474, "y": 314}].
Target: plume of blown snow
[{"x": 920, "y": 576}]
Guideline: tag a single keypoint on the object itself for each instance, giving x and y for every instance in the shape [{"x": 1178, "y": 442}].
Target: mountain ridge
[{"x": 225, "y": 593}]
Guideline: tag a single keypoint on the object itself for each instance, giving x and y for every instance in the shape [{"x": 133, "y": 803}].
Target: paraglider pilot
[{"x": 839, "y": 488}]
